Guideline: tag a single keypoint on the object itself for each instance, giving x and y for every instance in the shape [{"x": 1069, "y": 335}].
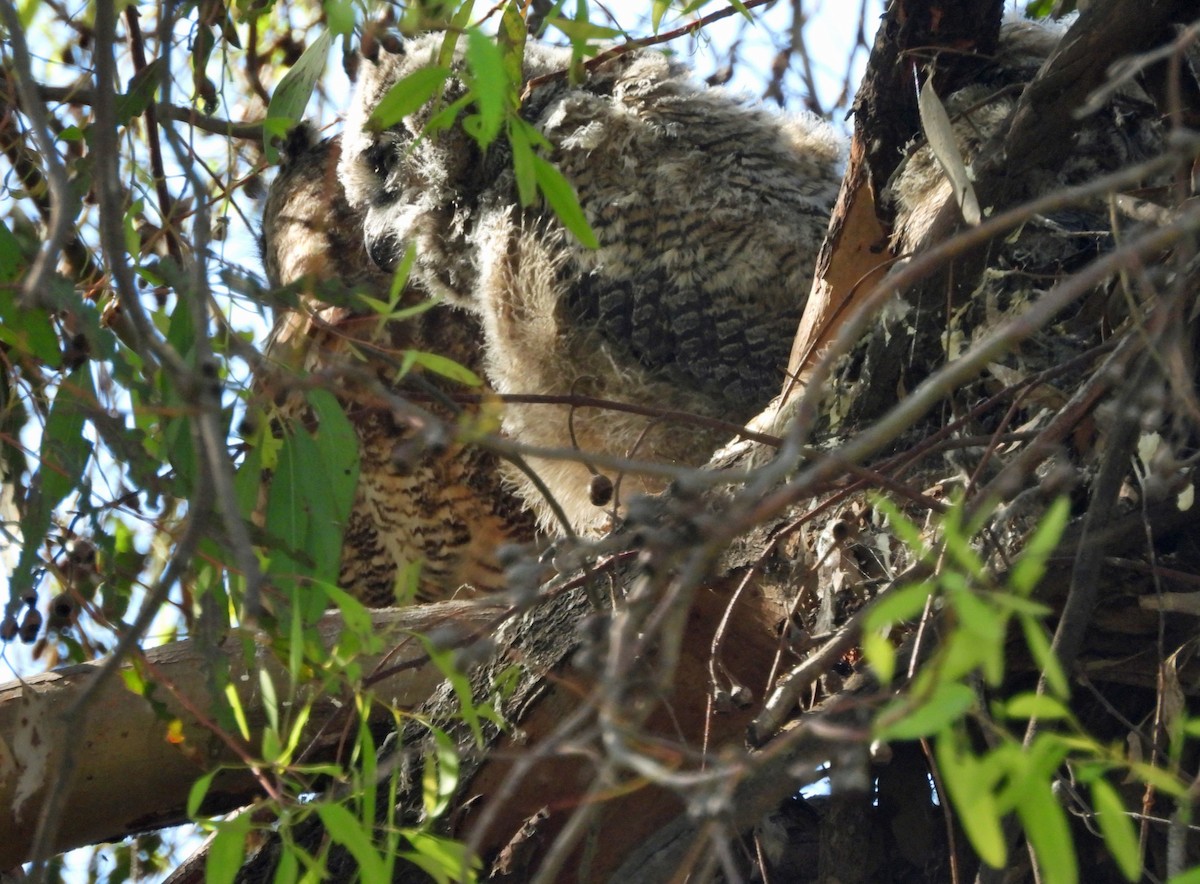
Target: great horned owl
[
  {"x": 441, "y": 505},
  {"x": 1124, "y": 130},
  {"x": 709, "y": 214},
  {"x": 940, "y": 318}
]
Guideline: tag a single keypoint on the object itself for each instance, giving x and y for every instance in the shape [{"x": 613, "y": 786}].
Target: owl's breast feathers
[{"x": 425, "y": 503}]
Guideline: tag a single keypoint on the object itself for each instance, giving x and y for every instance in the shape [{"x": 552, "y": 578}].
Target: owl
[
  {"x": 420, "y": 498},
  {"x": 708, "y": 212},
  {"x": 1123, "y": 130}
]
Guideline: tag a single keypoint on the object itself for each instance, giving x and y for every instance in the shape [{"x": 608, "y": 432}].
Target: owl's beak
[{"x": 384, "y": 250}]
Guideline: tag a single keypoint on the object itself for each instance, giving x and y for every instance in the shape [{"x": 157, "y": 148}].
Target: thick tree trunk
[
  {"x": 733, "y": 607},
  {"x": 135, "y": 768}
]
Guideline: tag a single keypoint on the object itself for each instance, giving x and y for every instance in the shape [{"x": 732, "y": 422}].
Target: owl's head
[{"x": 424, "y": 187}]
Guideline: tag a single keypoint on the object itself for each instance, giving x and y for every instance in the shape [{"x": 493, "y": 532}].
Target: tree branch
[{"x": 130, "y": 778}]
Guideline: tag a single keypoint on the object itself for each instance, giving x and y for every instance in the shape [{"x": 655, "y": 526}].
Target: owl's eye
[{"x": 380, "y": 159}]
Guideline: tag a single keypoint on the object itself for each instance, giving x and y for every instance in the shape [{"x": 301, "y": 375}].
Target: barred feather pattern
[
  {"x": 709, "y": 213},
  {"x": 420, "y": 498},
  {"x": 1125, "y": 130}
]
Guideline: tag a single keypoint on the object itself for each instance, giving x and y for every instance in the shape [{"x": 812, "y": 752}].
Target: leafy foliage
[
  {"x": 152, "y": 480},
  {"x": 1009, "y": 770}
]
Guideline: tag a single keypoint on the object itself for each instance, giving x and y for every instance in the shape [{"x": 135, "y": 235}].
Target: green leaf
[
  {"x": 441, "y": 774},
  {"x": 339, "y": 15},
  {"x": 275, "y": 129},
  {"x": 1030, "y": 768},
  {"x": 26, "y": 329},
  {"x": 1046, "y": 659},
  {"x": 1027, "y": 573},
  {"x": 511, "y": 37},
  {"x": 984, "y": 631},
  {"x": 880, "y": 654},
  {"x": 1160, "y": 779},
  {"x": 961, "y": 656},
  {"x": 197, "y": 793},
  {"x": 408, "y": 582},
  {"x": 970, "y": 790},
  {"x": 322, "y": 547},
  {"x": 181, "y": 330},
  {"x": 902, "y": 527},
  {"x": 287, "y": 516},
  {"x": 490, "y": 84},
  {"x": 898, "y": 605},
  {"x": 142, "y": 87},
  {"x": 65, "y": 451},
  {"x": 294, "y": 90},
  {"x": 27, "y": 10},
  {"x": 355, "y": 616},
  {"x": 296, "y": 642},
  {"x": 459, "y": 21},
  {"x": 1117, "y": 828},
  {"x": 399, "y": 286},
  {"x": 1015, "y": 604},
  {"x": 288, "y": 869},
  {"x": 135, "y": 682},
  {"x": 63, "y": 457},
  {"x": 440, "y": 365},
  {"x": 658, "y": 9},
  {"x": 443, "y": 659},
  {"x": 348, "y": 830},
  {"x": 959, "y": 549},
  {"x": 296, "y": 732},
  {"x": 311, "y": 494},
  {"x": 1045, "y": 825},
  {"x": 133, "y": 239},
  {"x": 580, "y": 32},
  {"x": 389, "y": 313},
  {"x": 272, "y": 748},
  {"x": 368, "y": 758},
  {"x": 11, "y": 260},
  {"x": 226, "y": 850},
  {"x": 947, "y": 705},
  {"x": 249, "y": 478},
  {"x": 270, "y": 702},
  {"x": 522, "y": 148},
  {"x": 181, "y": 451},
  {"x": 1043, "y": 8},
  {"x": 407, "y": 96},
  {"x": 239, "y": 714},
  {"x": 446, "y": 117},
  {"x": 337, "y": 452},
  {"x": 742, "y": 10},
  {"x": 444, "y": 859},
  {"x": 561, "y": 197},
  {"x": 1026, "y": 706}
]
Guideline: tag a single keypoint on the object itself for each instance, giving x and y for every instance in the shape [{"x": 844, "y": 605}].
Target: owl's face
[{"x": 420, "y": 190}]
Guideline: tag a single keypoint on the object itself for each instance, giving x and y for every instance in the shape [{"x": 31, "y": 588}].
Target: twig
[
  {"x": 641, "y": 43},
  {"x": 1085, "y": 576},
  {"x": 250, "y": 130},
  {"x": 769, "y": 499},
  {"x": 34, "y": 288},
  {"x": 157, "y": 171},
  {"x": 783, "y": 700},
  {"x": 1045, "y": 120},
  {"x": 74, "y": 719}
]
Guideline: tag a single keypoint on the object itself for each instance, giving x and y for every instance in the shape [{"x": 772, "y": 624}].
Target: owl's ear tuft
[
  {"x": 299, "y": 140},
  {"x": 379, "y": 36}
]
